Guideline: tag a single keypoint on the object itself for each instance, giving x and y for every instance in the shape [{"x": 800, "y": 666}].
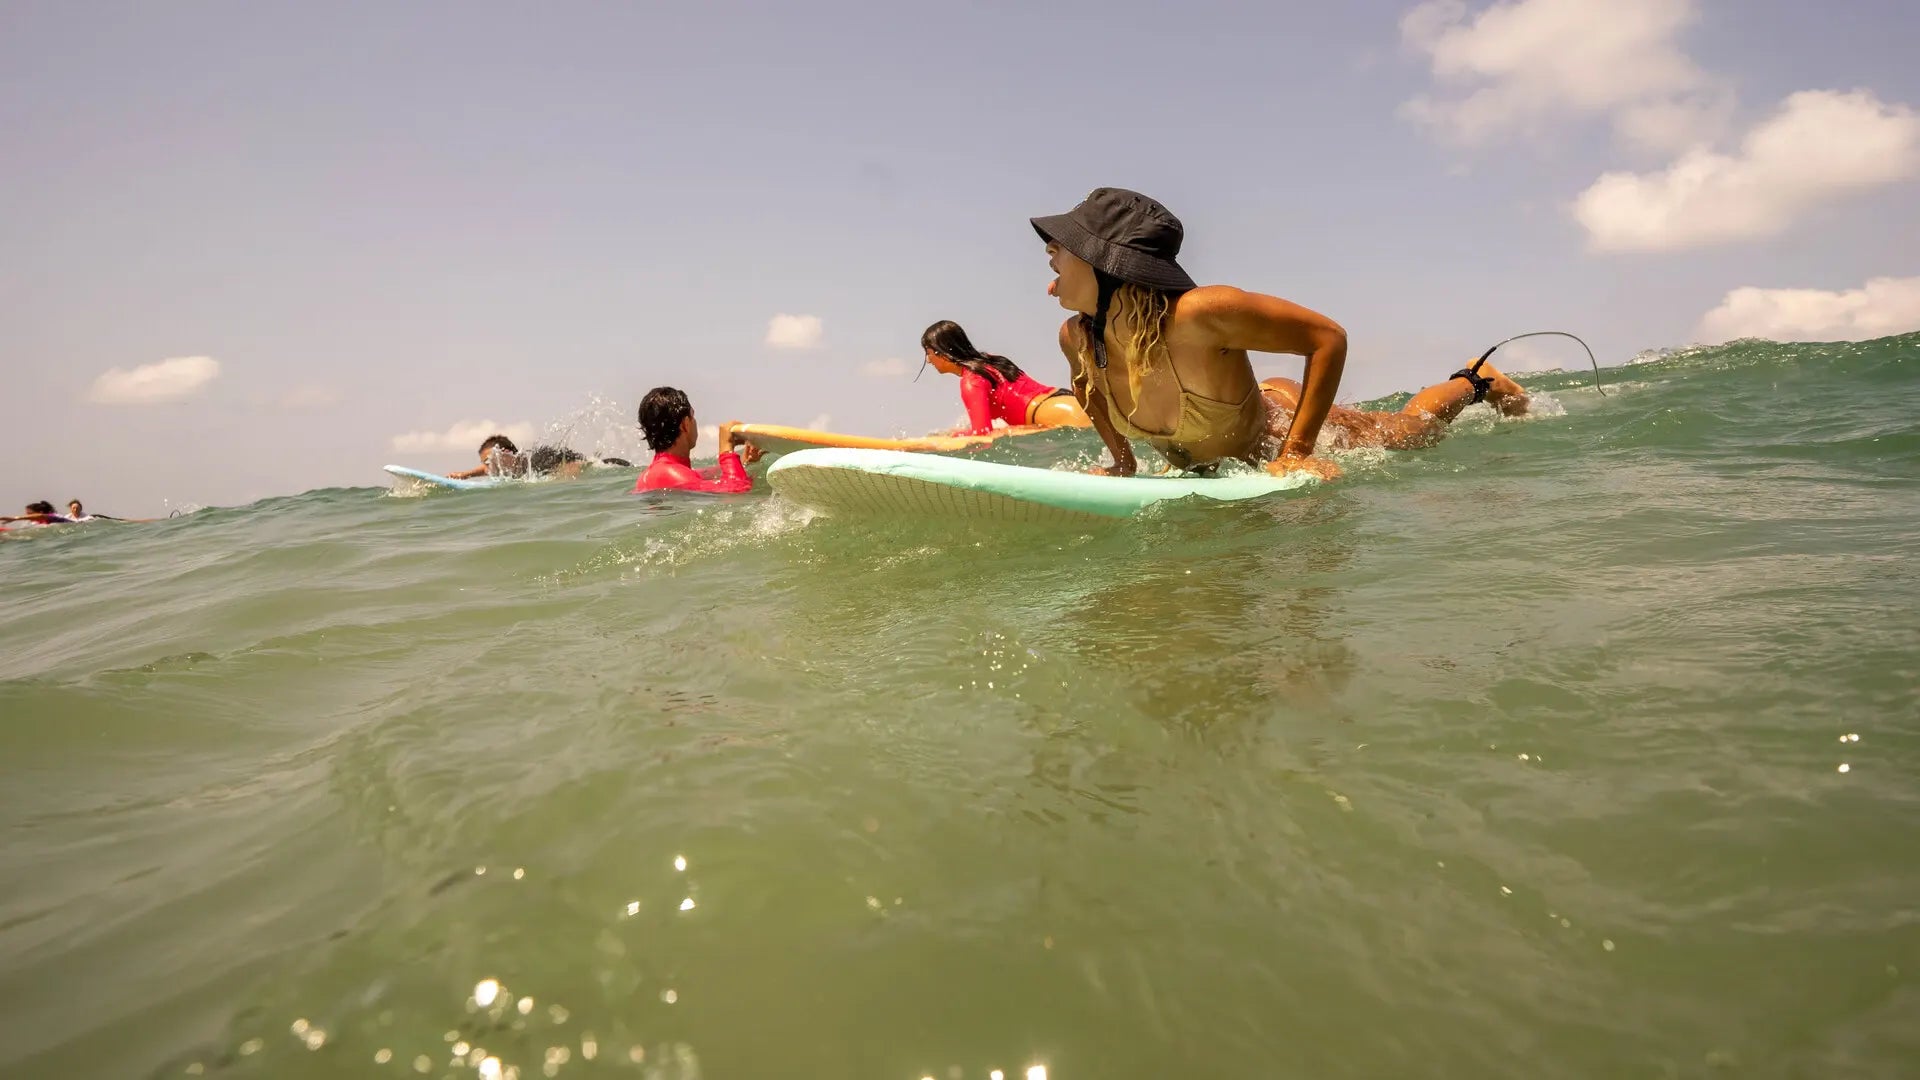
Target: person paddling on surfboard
[
  {"x": 40, "y": 513},
  {"x": 666, "y": 418},
  {"x": 500, "y": 457},
  {"x": 77, "y": 512},
  {"x": 993, "y": 387},
  {"x": 1157, "y": 357}
]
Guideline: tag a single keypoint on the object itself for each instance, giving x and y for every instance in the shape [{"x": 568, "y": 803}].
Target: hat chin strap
[{"x": 1098, "y": 327}]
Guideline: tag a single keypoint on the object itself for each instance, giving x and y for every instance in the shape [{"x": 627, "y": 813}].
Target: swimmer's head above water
[
  {"x": 667, "y": 420},
  {"x": 499, "y": 455}
]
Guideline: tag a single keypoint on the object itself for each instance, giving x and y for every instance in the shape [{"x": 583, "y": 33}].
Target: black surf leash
[{"x": 1481, "y": 384}]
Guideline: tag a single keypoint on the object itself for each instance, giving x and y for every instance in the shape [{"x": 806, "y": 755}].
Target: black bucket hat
[{"x": 1123, "y": 234}]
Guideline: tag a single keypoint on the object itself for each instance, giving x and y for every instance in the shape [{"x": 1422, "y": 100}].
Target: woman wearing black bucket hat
[{"x": 1189, "y": 387}]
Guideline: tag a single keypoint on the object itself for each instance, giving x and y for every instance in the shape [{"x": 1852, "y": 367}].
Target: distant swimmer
[
  {"x": 994, "y": 388},
  {"x": 500, "y": 457},
  {"x": 76, "y": 512},
  {"x": 666, "y": 418},
  {"x": 40, "y": 513}
]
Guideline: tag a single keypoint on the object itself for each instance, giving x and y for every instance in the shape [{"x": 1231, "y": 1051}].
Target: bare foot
[{"x": 1504, "y": 395}]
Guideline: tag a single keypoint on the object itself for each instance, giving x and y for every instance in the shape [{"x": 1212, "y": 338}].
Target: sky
[{"x": 250, "y": 249}]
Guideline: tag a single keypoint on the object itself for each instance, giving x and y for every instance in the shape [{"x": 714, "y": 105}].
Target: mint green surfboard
[
  {"x": 890, "y": 482},
  {"x": 421, "y": 476}
]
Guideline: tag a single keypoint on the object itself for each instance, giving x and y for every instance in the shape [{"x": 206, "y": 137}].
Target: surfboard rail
[{"x": 861, "y": 481}]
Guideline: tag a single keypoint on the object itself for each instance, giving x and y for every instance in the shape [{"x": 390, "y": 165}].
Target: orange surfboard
[{"x": 775, "y": 439}]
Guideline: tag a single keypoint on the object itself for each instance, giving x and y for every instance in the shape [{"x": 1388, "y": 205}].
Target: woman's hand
[{"x": 1286, "y": 464}]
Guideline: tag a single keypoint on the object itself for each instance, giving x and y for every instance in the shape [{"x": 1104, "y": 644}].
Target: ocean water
[{"x": 1581, "y": 746}]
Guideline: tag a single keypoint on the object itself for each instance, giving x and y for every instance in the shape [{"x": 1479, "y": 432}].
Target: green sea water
[{"x": 1579, "y": 746}]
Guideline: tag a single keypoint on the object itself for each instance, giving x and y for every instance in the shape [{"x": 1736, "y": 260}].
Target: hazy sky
[{"x": 255, "y": 248}]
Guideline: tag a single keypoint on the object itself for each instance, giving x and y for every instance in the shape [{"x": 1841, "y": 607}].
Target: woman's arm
[
  {"x": 1237, "y": 319},
  {"x": 976, "y": 393}
]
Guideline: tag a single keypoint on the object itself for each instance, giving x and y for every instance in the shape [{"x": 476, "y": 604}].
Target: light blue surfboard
[
  {"x": 437, "y": 480},
  {"x": 896, "y": 483}
]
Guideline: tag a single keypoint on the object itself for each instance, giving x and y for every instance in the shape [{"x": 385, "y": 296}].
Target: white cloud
[
  {"x": 1520, "y": 67},
  {"x": 822, "y": 422},
  {"x": 891, "y": 368},
  {"x": 148, "y": 384},
  {"x": 467, "y": 435},
  {"x": 1881, "y": 307},
  {"x": 1516, "y": 68},
  {"x": 1820, "y": 146},
  {"x": 308, "y": 397},
  {"x": 795, "y": 332},
  {"x": 1676, "y": 124}
]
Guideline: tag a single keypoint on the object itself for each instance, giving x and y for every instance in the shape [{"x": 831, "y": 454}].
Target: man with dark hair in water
[
  {"x": 500, "y": 457},
  {"x": 666, "y": 418}
]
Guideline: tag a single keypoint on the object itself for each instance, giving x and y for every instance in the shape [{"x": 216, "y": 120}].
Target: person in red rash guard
[
  {"x": 666, "y": 418},
  {"x": 993, "y": 387}
]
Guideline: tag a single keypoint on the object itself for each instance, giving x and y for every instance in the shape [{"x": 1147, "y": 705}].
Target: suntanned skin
[
  {"x": 1421, "y": 422},
  {"x": 1209, "y": 332}
]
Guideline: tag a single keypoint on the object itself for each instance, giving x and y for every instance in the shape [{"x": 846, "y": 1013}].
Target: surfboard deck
[
  {"x": 776, "y": 439},
  {"x": 888, "y": 482},
  {"x": 436, "y": 480}
]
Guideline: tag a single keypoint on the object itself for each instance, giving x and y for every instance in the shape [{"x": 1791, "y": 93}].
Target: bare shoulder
[
  {"x": 1200, "y": 316},
  {"x": 1217, "y": 301},
  {"x": 1225, "y": 317},
  {"x": 1223, "y": 306},
  {"x": 1070, "y": 335}
]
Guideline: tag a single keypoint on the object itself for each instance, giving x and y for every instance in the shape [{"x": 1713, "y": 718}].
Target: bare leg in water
[{"x": 1420, "y": 422}]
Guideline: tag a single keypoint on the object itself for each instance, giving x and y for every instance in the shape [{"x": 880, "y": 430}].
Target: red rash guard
[
  {"x": 671, "y": 472},
  {"x": 999, "y": 400}
]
